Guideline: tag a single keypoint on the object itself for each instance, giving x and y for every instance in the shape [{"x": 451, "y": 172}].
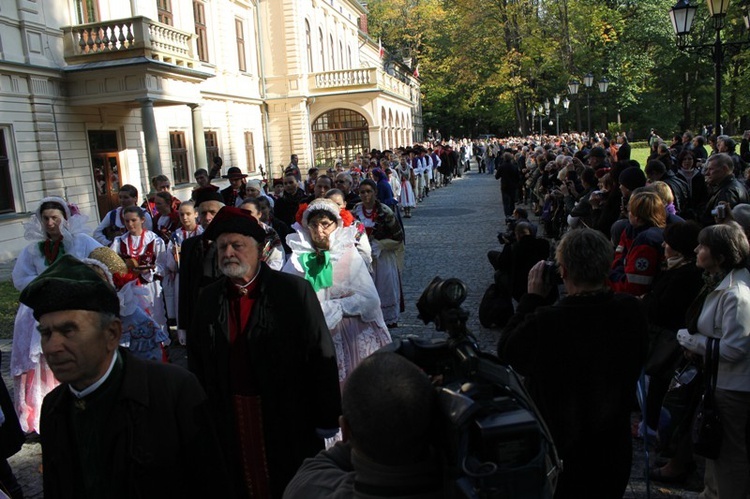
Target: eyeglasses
[{"x": 324, "y": 225}]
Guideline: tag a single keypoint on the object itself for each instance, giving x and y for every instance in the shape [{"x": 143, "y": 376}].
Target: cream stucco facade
[{"x": 98, "y": 93}]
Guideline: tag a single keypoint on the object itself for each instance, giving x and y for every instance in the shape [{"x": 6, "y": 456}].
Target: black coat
[
  {"x": 161, "y": 438},
  {"x": 509, "y": 176},
  {"x": 11, "y": 434},
  {"x": 581, "y": 359},
  {"x": 291, "y": 354},
  {"x": 197, "y": 269}
]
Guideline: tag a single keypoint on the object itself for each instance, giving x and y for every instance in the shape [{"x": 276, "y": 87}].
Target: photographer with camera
[
  {"x": 388, "y": 409},
  {"x": 581, "y": 358},
  {"x": 724, "y": 185}
]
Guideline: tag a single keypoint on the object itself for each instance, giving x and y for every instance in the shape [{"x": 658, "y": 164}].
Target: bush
[{"x": 8, "y": 308}]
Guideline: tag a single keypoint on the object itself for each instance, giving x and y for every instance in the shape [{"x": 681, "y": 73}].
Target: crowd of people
[
  {"x": 653, "y": 262},
  {"x": 278, "y": 293}
]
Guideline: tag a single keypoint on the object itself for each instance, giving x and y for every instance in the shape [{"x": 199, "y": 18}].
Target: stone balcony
[
  {"x": 135, "y": 37},
  {"x": 365, "y": 79}
]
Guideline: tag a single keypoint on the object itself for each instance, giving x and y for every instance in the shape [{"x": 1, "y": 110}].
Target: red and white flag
[
  {"x": 381, "y": 50},
  {"x": 416, "y": 71}
]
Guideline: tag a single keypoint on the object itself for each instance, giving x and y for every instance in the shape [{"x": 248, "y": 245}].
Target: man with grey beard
[{"x": 263, "y": 353}]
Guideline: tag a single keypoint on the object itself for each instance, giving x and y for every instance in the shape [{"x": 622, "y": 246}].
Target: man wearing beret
[
  {"x": 117, "y": 426},
  {"x": 263, "y": 353}
]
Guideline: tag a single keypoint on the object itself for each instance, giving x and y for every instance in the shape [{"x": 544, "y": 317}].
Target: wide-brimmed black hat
[{"x": 234, "y": 173}]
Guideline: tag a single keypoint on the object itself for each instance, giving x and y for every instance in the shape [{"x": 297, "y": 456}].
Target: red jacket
[{"x": 638, "y": 259}]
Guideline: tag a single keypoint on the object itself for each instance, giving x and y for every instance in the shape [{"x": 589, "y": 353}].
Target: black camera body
[
  {"x": 509, "y": 236},
  {"x": 492, "y": 437}
]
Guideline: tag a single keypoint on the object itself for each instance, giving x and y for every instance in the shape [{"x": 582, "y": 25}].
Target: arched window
[
  {"x": 341, "y": 56},
  {"x": 383, "y": 132},
  {"x": 308, "y": 43},
  {"x": 339, "y": 133},
  {"x": 322, "y": 53},
  {"x": 332, "y": 55},
  {"x": 349, "y": 50},
  {"x": 392, "y": 137}
]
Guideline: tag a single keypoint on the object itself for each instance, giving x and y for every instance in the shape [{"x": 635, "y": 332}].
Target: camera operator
[
  {"x": 388, "y": 409},
  {"x": 581, "y": 358},
  {"x": 512, "y": 266}
]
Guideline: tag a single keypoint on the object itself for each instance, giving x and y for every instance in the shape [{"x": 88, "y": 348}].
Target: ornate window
[
  {"x": 212, "y": 146},
  {"x": 7, "y": 175},
  {"x": 339, "y": 133}
]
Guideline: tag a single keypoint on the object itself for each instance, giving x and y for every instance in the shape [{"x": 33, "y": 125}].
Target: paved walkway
[{"x": 448, "y": 235}]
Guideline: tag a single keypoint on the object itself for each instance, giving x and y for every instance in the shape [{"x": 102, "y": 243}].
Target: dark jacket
[
  {"x": 581, "y": 359},
  {"x": 11, "y": 435},
  {"x": 730, "y": 190},
  {"x": 507, "y": 173},
  {"x": 161, "y": 438},
  {"x": 285, "y": 208},
  {"x": 291, "y": 354},
  {"x": 197, "y": 269},
  {"x": 517, "y": 259},
  {"x": 679, "y": 189}
]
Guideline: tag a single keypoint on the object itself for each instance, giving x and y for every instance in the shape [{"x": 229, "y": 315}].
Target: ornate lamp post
[
  {"x": 566, "y": 104},
  {"x": 556, "y": 100},
  {"x": 588, "y": 82},
  {"x": 540, "y": 113},
  {"x": 603, "y": 86},
  {"x": 573, "y": 86},
  {"x": 682, "y": 15}
]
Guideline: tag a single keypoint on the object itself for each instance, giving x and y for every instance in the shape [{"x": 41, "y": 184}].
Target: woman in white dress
[
  {"x": 141, "y": 249},
  {"x": 387, "y": 242},
  {"x": 324, "y": 253},
  {"x": 406, "y": 195},
  {"x": 55, "y": 230},
  {"x": 169, "y": 262}
]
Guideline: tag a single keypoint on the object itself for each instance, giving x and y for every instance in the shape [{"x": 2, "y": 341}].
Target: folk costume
[
  {"x": 113, "y": 225},
  {"x": 32, "y": 378},
  {"x": 142, "y": 251},
  {"x": 386, "y": 238},
  {"x": 266, "y": 359},
  {"x": 346, "y": 291}
]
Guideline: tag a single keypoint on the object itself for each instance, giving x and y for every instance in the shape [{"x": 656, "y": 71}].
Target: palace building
[{"x": 99, "y": 93}]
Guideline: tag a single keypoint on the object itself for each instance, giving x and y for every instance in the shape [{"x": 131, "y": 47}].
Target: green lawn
[
  {"x": 640, "y": 155},
  {"x": 8, "y": 308}
]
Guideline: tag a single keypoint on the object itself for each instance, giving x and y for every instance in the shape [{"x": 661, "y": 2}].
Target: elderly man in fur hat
[
  {"x": 116, "y": 426},
  {"x": 261, "y": 348}
]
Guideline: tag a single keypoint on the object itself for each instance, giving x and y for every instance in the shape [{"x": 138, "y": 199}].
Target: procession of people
[{"x": 280, "y": 288}]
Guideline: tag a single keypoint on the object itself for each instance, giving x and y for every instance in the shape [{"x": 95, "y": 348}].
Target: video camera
[{"x": 494, "y": 441}]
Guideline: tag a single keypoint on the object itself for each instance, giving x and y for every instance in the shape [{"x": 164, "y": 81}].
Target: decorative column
[
  {"x": 153, "y": 161},
  {"x": 199, "y": 139}
]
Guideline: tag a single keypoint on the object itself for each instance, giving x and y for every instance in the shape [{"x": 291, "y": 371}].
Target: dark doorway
[{"x": 105, "y": 161}]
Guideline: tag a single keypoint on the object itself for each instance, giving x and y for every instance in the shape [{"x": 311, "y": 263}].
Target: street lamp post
[
  {"x": 588, "y": 81},
  {"x": 556, "y": 100},
  {"x": 540, "y": 113},
  {"x": 566, "y": 104},
  {"x": 603, "y": 86},
  {"x": 682, "y": 15},
  {"x": 573, "y": 90}
]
